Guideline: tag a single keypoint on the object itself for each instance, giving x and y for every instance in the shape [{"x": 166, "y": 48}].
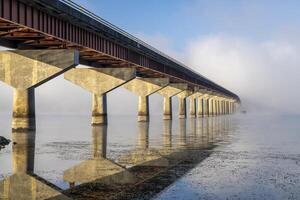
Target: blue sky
[
  {"x": 182, "y": 20},
  {"x": 248, "y": 46}
]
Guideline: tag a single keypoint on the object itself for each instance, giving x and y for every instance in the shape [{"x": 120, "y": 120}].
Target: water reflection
[
  {"x": 142, "y": 154},
  {"x": 142, "y": 171},
  {"x": 23, "y": 183},
  {"x": 99, "y": 167}
]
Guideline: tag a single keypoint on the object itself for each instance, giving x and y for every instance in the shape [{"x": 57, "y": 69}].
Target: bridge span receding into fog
[{"x": 50, "y": 38}]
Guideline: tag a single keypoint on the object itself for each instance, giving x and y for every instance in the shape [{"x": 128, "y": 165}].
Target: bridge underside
[
  {"x": 49, "y": 38},
  {"x": 16, "y": 36}
]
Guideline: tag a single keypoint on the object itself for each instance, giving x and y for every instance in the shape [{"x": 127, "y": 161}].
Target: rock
[{"x": 3, "y": 142}]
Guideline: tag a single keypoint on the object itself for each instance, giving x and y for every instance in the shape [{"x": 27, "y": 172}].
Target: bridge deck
[{"x": 44, "y": 24}]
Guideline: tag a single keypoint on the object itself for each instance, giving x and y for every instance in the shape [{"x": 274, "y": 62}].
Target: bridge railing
[
  {"x": 119, "y": 30},
  {"x": 131, "y": 37}
]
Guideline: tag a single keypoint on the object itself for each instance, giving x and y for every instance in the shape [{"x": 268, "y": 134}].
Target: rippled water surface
[{"x": 223, "y": 157}]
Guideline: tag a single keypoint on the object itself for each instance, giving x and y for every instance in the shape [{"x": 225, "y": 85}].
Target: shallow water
[
  {"x": 261, "y": 161},
  {"x": 225, "y": 157}
]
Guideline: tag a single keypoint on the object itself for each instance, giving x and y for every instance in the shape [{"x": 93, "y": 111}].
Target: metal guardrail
[
  {"x": 131, "y": 37},
  {"x": 122, "y": 32}
]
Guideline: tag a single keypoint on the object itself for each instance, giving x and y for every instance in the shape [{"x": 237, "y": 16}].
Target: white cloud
[{"x": 264, "y": 73}]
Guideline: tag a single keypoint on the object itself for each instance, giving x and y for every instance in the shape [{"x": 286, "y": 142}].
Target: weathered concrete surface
[
  {"x": 193, "y": 102},
  {"x": 143, "y": 109},
  {"x": 96, "y": 169},
  {"x": 167, "y": 108},
  {"x": 99, "y": 109},
  {"x": 25, "y": 186},
  {"x": 143, "y": 87},
  {"x": 99, "y": 82},
  {"x": 168, "y": 92},
  {"x": 172, "y": 89},
  {"x": 23, "y": 110},
  {"x": 206, "y": 104},
  {"x": 23, "y": 69},
  {"x": 146, "y": 86},
  {"x": 200, "y": 107},
  {"x": 182, "y": 102},
  {"x": 26, "y": 69}
]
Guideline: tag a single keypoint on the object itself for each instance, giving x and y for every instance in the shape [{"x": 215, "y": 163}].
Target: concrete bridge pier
[
  {"x": 168, "y": 92},
  {"x": 23, "y": 109},
  {"x": 226, "y": 107},
  {"x": 143, "y": 88},
  {"x": 218, "y": 112},
  {"x": 24, "y": 70},
  {"x": 193, "y": 106},
  {"x": 205, "y": 105},
  {"x": 182, "y": 102},
  {"x": 182, "y": 108},
  {"x": 222, "y": 107},
  {"x": 211, "y": 106},
  {"x": 143, "y": 108},
  {"x": 214, "y": 107},
  {"x": 200, "y": 106},
  {"x": 99, "y": 109},
  {"x": 167, "y": 109},
  {"x": 99, "y": 82}
]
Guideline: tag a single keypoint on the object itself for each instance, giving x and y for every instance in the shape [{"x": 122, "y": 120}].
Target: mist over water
[
  {"x": 261, "y": 160},
  {"x": 241, "y": 156}
]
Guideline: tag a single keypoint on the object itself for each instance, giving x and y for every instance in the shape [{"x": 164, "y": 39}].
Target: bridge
[{"x": 50, "y": 38}]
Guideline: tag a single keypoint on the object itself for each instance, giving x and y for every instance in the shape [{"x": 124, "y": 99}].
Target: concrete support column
[
  {"x": 167, "y": 108},
  {"x": 168, "y": 92},
  {"x": 222, "y": 107},
  {"x": 23, "y": 110},
  {"x": 182, "y": 102},
  {"x": 182, "y": 108},
  {"x": 193, "y": 101},
  {"x": 200, "y": 107},
  {"x": 233, "y": 107},
  {"x": 99, "y": 141},
  {"x": 25, "y": 70},
  {"x": 213, "y": 107},
  {"x": 99, "y": 82},
  {"x": 219, "y": 107},
  {"x": 227, "y": 107},
  {"x": 143, "y": 88},
  {"x": 210, "y": 107},
  {"x": 99, "y": 109},
  {"x": 143, "y": 109},
  {"x": 216, "y": 108},
  {"x": 205, "y": 107}
]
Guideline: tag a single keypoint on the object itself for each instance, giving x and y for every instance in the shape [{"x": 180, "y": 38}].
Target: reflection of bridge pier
[
  {"x": 23, "y": 183},
  {"x": 99, "y": 168},
  {"x": 142, "y": 155}
]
